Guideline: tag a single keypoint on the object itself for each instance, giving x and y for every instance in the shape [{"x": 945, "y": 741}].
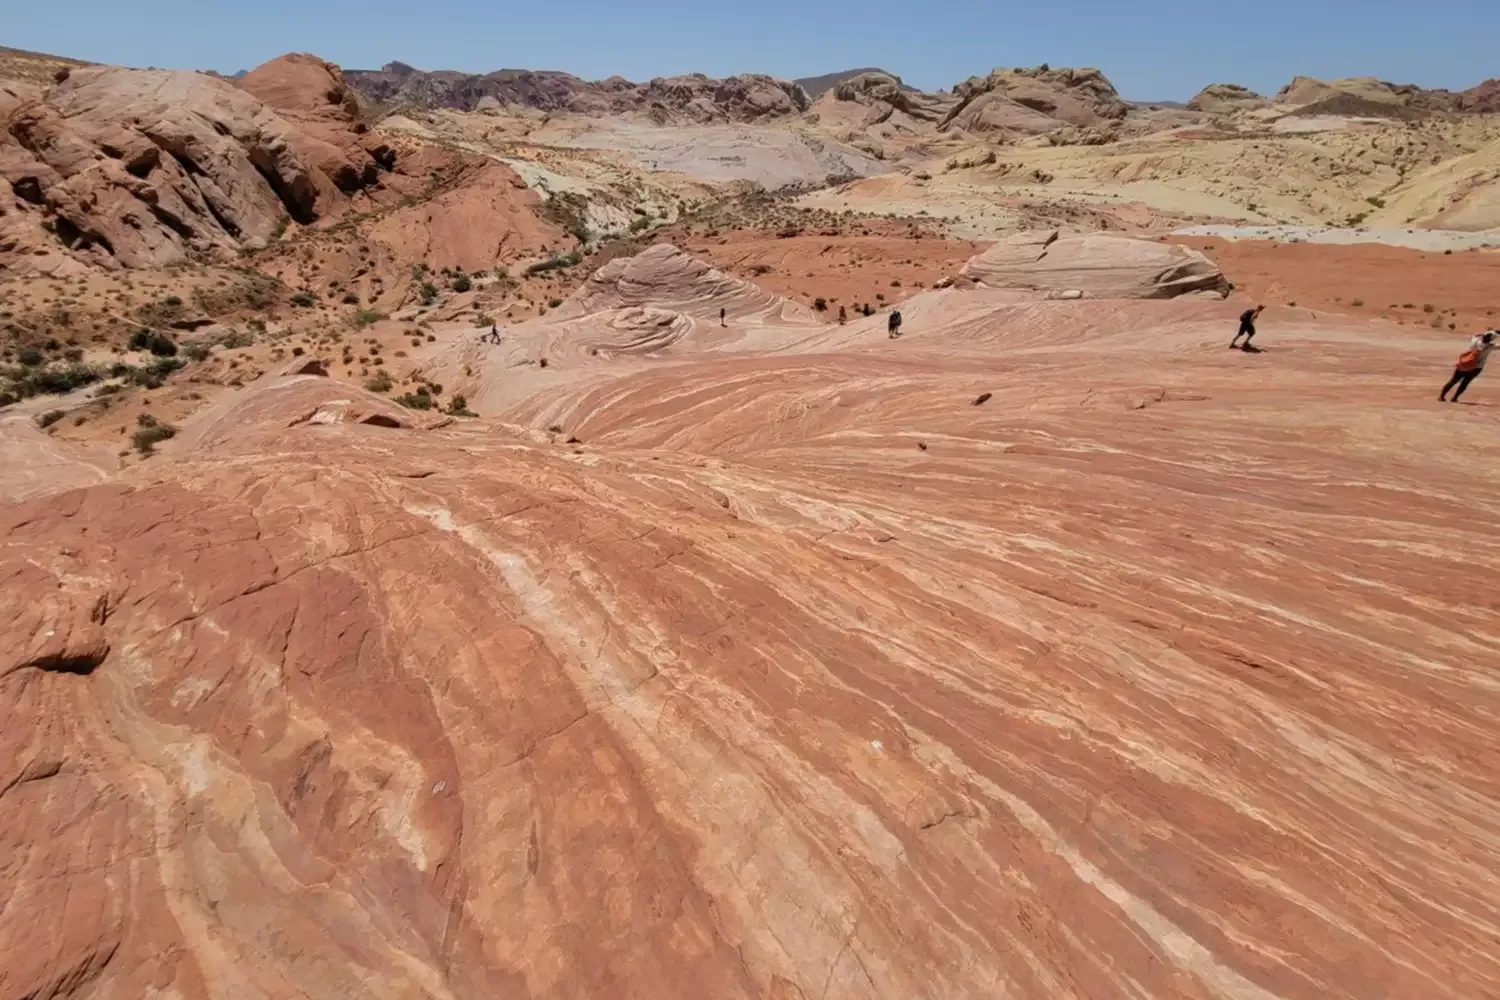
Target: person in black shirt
[
  {"x": 1247, "y": 327},
  {"x": 893, "y": 325}
]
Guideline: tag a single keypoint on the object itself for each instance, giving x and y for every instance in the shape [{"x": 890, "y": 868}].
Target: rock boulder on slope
[{"x": 1096, "y": 265}]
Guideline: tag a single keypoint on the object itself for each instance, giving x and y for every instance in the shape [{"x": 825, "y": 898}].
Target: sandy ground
[
  {"x": 1413, "y": 239},
  {"x": 1452, "y": 293}
]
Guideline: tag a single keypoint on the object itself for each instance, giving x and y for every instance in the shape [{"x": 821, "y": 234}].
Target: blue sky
[{"x": 1151, "y": 49}]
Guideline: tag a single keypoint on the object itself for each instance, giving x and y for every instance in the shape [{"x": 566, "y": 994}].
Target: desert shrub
[
  {"x": 502, "y": 272},
  {"x": 418, "y": 400},
  {"x": 636, "y": 225},
  {"x": 52, "y": 380},
  {"x": 148, "y": 435},
  {"x": 304, "y": 300},
  {"x": 29, "y": 356},
  {"x": 196, "y": 351},
  {"x": 172, "y": 302},
  {"x": 49, "y": 418},
  {"x": 350, "y": 299},
  {"x": 820, "y": 304},
  {"x": 366, "y": 317},
  {"x": 458, "y": 406},
  {"x": 555, "y": 263},
  {"x": 238, "y": 338},
  {"x": 461, "y": 283},
  {"x": 428, "y": 293},
  {"x": 153, "y": 375},
  {"x": 1357, "y": 302},
  {"x": 162, "y": 346},
  {"x": 554, "y": 303},
  {"x": 380, "y": 382}
]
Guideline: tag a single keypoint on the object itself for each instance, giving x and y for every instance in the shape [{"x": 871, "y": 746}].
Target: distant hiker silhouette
[
  {"x": 893, "y": 325},
  {"x": 1247, "y": 327},
  {"x": 1470, "y": 364},
  {"x": 722, "y": 314},
  {"x": 843, "y": 315}
]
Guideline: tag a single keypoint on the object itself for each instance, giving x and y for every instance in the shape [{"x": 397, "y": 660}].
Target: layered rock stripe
[{"x": 778, "y": 669}]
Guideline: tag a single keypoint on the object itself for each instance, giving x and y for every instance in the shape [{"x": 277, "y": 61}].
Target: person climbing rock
[
  {"x": 1247, "y": 327},
  {"x": 1470, "y": 364},
  {"x": 893, "y": 325}
]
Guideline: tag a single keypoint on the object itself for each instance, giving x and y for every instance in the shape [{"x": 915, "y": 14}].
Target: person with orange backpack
[{"x": 1470, "y": 364}]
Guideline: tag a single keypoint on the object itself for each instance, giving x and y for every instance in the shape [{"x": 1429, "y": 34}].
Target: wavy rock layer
[{"x": 1165, "y": 672}]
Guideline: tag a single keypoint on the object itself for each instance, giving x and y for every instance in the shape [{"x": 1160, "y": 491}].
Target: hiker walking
[
  {"x": 1470, "y": 364},
  {"x": 722, "y": 315},
  {"x": 893, "y": 325},
  {"x": 1247, "y": 327}
]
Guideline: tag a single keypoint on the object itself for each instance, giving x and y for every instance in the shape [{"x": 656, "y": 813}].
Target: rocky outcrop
[
  {"x": 692, "y": 97},
  {"x": 140, "y": 168},
  {"x": 887, "y": 95},
  {"x": 1095, "y": 266},
  {"x": 1225, "y": 98},
  {"x": 1481, "y": 100},
  {"x": 1035, "y": 100},
  {"x": 817, "y": 86},
  {"x": 329, "y": 134}
]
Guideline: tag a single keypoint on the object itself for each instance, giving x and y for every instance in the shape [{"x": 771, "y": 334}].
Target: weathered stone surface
[
  {"x": 1053, "y": 97},
  {"x": 142, "y": 167},
  {"x": 1226, "y": 98},
  {"x": 796, "y": 674},
  {"x": 691, "y": 97},
  {"x": 1097, "y": 266}
]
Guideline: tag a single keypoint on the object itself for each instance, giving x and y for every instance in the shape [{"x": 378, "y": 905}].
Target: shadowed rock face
[{"x": 1165, "y": 671}]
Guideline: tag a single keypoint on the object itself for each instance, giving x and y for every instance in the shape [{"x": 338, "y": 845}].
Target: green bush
[
  {"x": 461, "y": 283},
  {"x": 153, "y": 375},
  {"x": 418, "y": 400},
  {"x": 554, "y": 303},
  {"x": 148, "y": 435},
  {"x": 172, "y": 302},
  {"x": 458, "y": 406},
  {"x": 50, "y": 417},
  {"x": 366, "y": 317},
  {"x": 820, "y": 303},
  {"x": 196, "y": 351},
  {"x": 30, "y": 357},
  {"x": 237, "y": 338},
  {"x": 428, "y": 293},
  {"x": 304, "y": 300},
  {"x": 380, "y": 382},
  {"x": 554, "y": 263}
]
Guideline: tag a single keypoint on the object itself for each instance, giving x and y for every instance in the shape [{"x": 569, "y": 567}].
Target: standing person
[
  {"x": 893, "y": 325},
  {"x": 1470, "y": 364},
  {"x": 843, "y": 315},
  {"x": 722, "y": 315},
  {"x": 1247, "y": 327}
]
